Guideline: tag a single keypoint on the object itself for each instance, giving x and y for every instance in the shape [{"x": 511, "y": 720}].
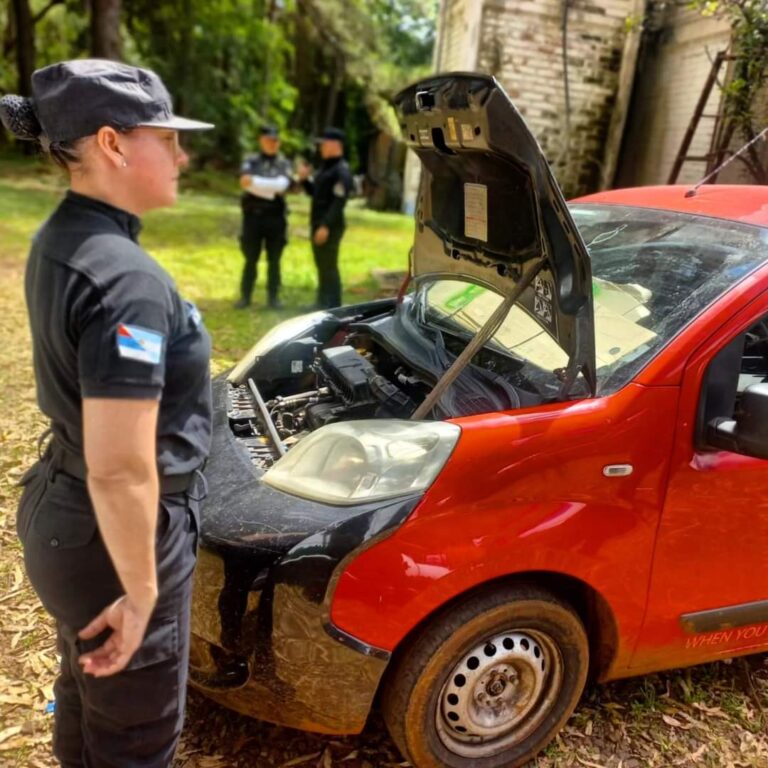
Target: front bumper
[{"x": 262, "y": 639}]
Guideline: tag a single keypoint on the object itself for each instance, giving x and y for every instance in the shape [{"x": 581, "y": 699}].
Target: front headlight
[
  {"x": 370, "y": 460},
  {"x": 295, "y": 328}
]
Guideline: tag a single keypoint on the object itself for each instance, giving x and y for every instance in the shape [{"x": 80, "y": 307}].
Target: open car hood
[{"x": 490, "y": 209}]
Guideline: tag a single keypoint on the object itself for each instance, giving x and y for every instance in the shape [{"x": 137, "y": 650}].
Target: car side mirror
[{"x": 748, "y": 432}]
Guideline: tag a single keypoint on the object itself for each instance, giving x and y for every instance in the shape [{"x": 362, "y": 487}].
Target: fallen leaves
[
  {"x": 299, "y": 760},
  {"x": 9, "y": 732},
  {"x": 693, "y": 717}
]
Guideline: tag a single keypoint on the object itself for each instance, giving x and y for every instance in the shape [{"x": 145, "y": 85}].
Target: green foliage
[
  {"x": 384, "y": 44},
  {"x": 298, "y": 64},
  {"x": 196, "y": 241},
  {"x": 225, "y": 61}
]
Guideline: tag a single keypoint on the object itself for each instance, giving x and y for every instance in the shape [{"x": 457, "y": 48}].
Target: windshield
[{"x": 652, "y": 273}]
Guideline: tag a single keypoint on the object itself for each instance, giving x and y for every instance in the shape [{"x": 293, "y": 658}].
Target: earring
[{"x": 125, "y": 165}]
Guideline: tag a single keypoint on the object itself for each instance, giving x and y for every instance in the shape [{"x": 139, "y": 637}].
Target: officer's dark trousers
[
  {"x": 327, "y": 262},
  {"x": 260, "y": 231},
  {"x": 133, "y": 718}
]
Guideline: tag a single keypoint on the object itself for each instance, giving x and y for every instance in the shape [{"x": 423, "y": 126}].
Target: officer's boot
[{"x": 272, "y": 299}]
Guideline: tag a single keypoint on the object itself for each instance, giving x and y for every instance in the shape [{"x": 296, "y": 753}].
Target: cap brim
[{"x": 176, "y": 123}]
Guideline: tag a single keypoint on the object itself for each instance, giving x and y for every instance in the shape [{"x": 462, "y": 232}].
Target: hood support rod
[
  {"x": 478, "y": 341},
  {"x": 266, "y": 419}
]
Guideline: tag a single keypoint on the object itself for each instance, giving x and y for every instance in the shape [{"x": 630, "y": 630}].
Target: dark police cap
[
  {"x": 331, "y": 134},
  {"x": 270, "y": 131},
  {"x": 73, "y": 99}
]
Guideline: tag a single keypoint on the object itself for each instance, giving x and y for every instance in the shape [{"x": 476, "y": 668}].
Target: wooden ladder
[{"x": 721, "y": 134}]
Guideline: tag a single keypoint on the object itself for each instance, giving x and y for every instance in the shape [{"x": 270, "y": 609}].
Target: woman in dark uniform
[{"x": 108, "y": 515}]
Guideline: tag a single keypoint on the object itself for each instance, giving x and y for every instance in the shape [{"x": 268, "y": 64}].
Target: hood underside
[{"x": 489, "y": 209}]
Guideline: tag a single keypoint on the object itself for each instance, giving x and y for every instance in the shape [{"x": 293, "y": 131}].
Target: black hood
[{"x": 490, "y": 209}]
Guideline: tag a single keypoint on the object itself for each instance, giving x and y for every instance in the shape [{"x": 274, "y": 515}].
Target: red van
[{"x": 542, "y": 462}]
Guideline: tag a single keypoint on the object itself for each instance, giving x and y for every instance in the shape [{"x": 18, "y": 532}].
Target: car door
[{"x": 708, "y": 594}]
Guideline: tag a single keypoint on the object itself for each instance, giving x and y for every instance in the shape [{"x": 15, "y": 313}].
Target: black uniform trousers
[
  {"x": 133, "y": 718},
  {"x": 262, "y": 231},
  {"x": 327, "y": 262}
]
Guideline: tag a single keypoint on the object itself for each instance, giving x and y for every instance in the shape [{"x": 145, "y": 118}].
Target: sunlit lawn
[{"x": 197, "y": 243}]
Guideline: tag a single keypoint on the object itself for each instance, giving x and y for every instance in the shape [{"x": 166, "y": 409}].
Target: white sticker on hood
[
  {"x": 476, "y": 211},
  {"x": 452, "y": 128}
]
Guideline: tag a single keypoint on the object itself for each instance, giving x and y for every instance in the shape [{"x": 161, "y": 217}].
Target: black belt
[{"x": 70, "y": 464}]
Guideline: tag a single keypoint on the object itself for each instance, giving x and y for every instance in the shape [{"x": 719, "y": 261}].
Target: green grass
[{"x": 196, "y": 241}]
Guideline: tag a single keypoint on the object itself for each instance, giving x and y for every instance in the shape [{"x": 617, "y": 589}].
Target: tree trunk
[
  {"x": 106, "y": 42},
  {"x": 333, "y": 95},
  {"x": 25, "y": 45},
  {"x": 9, "y": 34}
]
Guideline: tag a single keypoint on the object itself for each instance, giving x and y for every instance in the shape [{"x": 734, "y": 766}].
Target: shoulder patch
[
  {"x": 193, "y": 313},
  {"x": 339, "y": 190},
  {"x": 139, "y": 344}
]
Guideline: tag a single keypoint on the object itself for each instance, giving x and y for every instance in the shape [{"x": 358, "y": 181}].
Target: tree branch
[{"x": 38, "y": 16}]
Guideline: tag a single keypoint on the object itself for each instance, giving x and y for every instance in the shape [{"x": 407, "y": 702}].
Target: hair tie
[{"x": 17, "y": 114}]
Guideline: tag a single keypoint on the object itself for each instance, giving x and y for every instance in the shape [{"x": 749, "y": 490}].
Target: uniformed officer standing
[
  {"x": 108, "y": 515},
  {"x": 264, "y": 179},
  {"x": 330, "y": 189}
]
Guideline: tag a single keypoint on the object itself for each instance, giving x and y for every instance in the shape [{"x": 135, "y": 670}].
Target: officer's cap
[
  {"x": 270, "y": 131},
  {"x": 331, "y": 134},
  {"x": 73, "y": 99}
]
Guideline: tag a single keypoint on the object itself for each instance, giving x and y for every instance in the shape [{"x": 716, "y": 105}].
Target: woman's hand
[
  {"x": 320, "y": 236},
  {"x": 304, "y": 171},
  {"x": 128, "y": 621}
]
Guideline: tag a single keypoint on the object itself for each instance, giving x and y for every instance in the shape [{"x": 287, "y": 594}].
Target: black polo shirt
[
  {"x": 108, "y": 322},
  {"x": 330, "y": 189},
  {"x": 271, "y": 166}
]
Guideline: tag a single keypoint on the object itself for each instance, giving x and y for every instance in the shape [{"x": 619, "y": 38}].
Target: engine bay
[{"x": 364, "y": 368}]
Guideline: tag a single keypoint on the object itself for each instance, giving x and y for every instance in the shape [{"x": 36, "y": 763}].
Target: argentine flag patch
[{"x": 136, "y": 343}]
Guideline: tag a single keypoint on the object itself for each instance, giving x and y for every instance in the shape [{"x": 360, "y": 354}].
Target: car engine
[
  {"x": 346, "y": 386},
  {"x": 381, "y": 368}
]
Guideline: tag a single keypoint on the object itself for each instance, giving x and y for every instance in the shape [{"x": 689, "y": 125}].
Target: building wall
[
  {"x": 522, "y": 45},
  {"x": 521, "y": 42},
  {"x": 673, "y": 67}
]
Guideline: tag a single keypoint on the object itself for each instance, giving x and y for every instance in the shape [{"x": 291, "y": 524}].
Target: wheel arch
[{"x": 590, "y": 606}]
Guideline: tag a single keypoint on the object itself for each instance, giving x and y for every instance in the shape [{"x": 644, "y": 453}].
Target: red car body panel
[
  {"x": 525, "y": 492},
  {"x": 746, "y": 204}
]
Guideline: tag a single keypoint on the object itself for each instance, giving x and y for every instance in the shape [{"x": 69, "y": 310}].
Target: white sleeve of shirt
[{"x": 267, "y": 186}]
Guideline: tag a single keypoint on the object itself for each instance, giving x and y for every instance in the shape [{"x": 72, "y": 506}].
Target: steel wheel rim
[{"x": 499, "y": 692}]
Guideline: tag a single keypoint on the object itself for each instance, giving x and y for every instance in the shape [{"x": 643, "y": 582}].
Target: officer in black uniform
[
  {"x": 264, "y": 179},
  {"x": 108, "y": 516},
  {"x": 330, "y": 188}
]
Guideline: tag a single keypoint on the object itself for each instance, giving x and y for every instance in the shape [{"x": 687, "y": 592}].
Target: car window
[
  {"x": 754, "y": 361},
  {"x": 740, "y": 363},
  {"x": 652, "y": 273}
]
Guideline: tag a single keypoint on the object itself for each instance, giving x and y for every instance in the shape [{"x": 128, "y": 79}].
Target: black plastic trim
[
  {"x": 725, "y": 618},
  {"x": 356, "y": 645}
]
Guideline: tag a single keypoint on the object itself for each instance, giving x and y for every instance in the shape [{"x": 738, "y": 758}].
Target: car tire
[{"x": 488, "y": 682}]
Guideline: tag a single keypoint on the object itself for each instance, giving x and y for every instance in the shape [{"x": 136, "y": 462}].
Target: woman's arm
[{"x": 120, "y": 453}]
